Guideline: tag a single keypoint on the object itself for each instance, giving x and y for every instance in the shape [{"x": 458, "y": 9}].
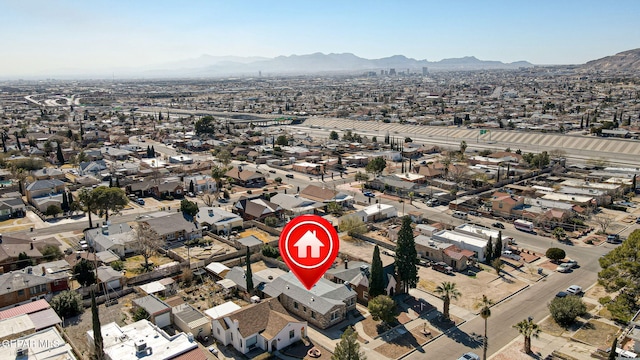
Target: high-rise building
[
  {"x": 392, "y": 71},
  {"x": 425, "y": 71}
]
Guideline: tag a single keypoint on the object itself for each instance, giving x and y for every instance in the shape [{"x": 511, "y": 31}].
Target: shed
[{"x": 159, "y": 312}]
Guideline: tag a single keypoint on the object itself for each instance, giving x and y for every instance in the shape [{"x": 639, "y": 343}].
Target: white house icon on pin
[{"x": 308, "y": 240}]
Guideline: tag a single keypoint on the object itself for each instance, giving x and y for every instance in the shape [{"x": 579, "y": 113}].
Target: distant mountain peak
[{"x": 628, "y": 60}]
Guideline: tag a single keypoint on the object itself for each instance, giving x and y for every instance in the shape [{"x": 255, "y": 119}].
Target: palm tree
[
  {"x": 218, "y": 173},
  {"x": 447, "y": 291},
  {"x": 528, "y": 329},
  {"x": 485, "y": 313},
  {"x": 88, "y": 203},
  {"x": 446, "y": 162},
  {"x": 463, "y": 148}
]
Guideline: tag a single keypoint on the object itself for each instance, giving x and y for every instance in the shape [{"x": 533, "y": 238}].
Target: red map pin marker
[{"x": 308, "y": 245}]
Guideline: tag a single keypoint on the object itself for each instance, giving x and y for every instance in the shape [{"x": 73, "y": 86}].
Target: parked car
[
  {"x": 474, "y": 213},
  {"x": 572, "y": 263},
  {"x": 563, "y": 268},
  {"x": 290, "y": 176},
  {"x": 562, "y": 294},
  {"x": 469, "y": 356},
  {"x": 638, "y": 220},
  {"x": 613, "y": 238},
  {"x": 509, "y": 254},
  {"x": 498, "y": 225},
  {"x": 140, "y": 201},
  {"x": 442, "y": 267},
  {"x": 272, "y": 171},
  {"x": 369, "y": 194},
  {"x": 424, "y": 263},
  {"x": 574, "y": 289},
  {"x": 432, "y": 202},
  {"x": 190, "y": 194},
  {"x": 223, "y": 200}
]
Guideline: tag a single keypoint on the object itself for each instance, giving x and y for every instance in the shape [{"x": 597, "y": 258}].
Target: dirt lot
[
  {"x": 550, "y": 327},
  {"x": 485, "y": 282},
  {"x": 203, "y": 252},
  {"x": 262, "y": 235},
  {"x": 76, "y": 328},
  {"x": 405, "y": 343},
  {"x": 514, "y": 352},
  {"x": 596, "y": 333},
  {"x": 133, "y": 265}
]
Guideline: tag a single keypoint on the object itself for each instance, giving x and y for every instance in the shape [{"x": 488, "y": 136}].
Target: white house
[
  {"x": 375, "y": 212},
  {"x": 265, "y": 325},
  {"x": 463, "y": 241}
]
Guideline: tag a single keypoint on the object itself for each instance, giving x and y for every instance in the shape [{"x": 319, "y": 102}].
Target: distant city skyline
[{"x": 43, "y": 37}]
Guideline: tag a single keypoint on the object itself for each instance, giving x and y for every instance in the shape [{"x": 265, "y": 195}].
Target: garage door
[{"x": 163, "y": 320}]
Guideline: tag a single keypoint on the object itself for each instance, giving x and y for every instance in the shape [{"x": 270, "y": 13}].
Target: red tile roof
[
  {"x": 25, "y": 309},
  {"x": 195, "y": 354}
]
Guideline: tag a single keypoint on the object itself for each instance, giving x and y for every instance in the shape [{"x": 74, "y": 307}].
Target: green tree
[
  {"x": 613, "y": 355},
  {"x": 192, "y": 187},
  {"x": 53, "y": 210},
  {"x": 140, "y": 314},
  {"x": 406, "y": 256},
  {"x": 59, "y": 155},
  {"x": 555, "y": 254},
  {"x": 559, "y": 233},
  {"x": 361, "y": 176},
  {"x": 353, "y": 225},
  {"x": 488, "y": 254},
  {"x": 528, "y": 329},
  {"x": 217, "y": 174},
  {"x": 206, "y": 125},
  {"x": 271, "y": 221},
  {"x": 485, "y": 312},
  {"x": 333, "y": 135},
  {"x": 98, "y": 348},
  {"x": 376, "y": 281},
  {"x": 85, "y": 273},
  {"x": 497, "y": 265},
  {"x": 270, "y": 251},
  {"x": 565, "y": 310},
  {"x": 497, "y": 249},
  {"x": 109, "y": 199},
  {"x": 188, "y": 207},
  {"x": 51, "y": 252},
  {"x": 24, "y": 260},
  {"x": 224, "y": 157},
  {"x": 67, "y": 304},
  {"x": 621, "y": 274},
  {"x": 348, "y": 347},
  {"x": 382, "y": 307},
  {"x": 249, "y": 273},
  {"x": 65, "y": 202},
  {"x": 376, "y": 166},
  {"x": 282, "y": 140},
  {"x": 87, "y": 203},
  {"x": 463, "y": 147},
  {"x": 278, "y": 180},
  {"x": 334, "y": 208},
  {"x": 447, "y": 291}
]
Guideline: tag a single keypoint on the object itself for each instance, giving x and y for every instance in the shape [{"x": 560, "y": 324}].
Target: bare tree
[
  {"x": 602, "y": 221},
  {"x": 147, "y": 242},
  {"x": 208, "y": 198}
]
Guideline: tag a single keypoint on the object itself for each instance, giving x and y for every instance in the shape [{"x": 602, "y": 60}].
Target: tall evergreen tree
[
  {"x": 117, "y": 182},
  {"x": 111, "y": 182},
  {"x": 613, "y": 355},
  {"x": 634, "y": 183},
  {"x": 59, "y": 154},
  {"x": 348, "y": 347},
  {"x": 153, "y": 152},
  {"x": 249, "y": 273},
  {"x": 97, "y": 329},
  {"x": 149, "y": 151},
  {"x": 488, "y": 254},
  {"x": 192, "y": 188},
  {"x": 497, "y": 250},
  {"x": 70, "y": 198},
  {"x": 376, "y": 281},
  {"x": 406, "y": 256},
  {"x": 18, "y": 141},
  {"x": 65, "y": 202}
]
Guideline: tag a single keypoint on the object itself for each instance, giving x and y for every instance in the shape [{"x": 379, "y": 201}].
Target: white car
[
  {"x": 574, "y": 289},
  {"x": 563, "y": 268},
  {"x": 469, "y": 356}
]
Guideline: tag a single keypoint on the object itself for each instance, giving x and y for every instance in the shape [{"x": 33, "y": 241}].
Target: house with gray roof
[
  {"x": 217, "y": 219},
  {"x": 18, "y": 287},
  {"x": 294, "y": 205},
  {"x": 159, "y": 311},
  {"x": 92, "y": 167},
  {"x": 44, "y": 188},
  {"x": 173, "y": 227},
  {"x": 190, "y": 320},
  {"x": 256, "y": 208},
  {"x": 325, "y": 305},
  {"x": 12, "y": 208},
  {"x": 118, "y": 238}
]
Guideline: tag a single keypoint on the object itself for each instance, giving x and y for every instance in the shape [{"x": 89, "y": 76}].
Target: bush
[
  {"x": 565, "y": 310},
  {"x": 271, "y": 221},
  {"x": 555, "y": 254},
  {"x": 67, "y": 304},
  {"x": 140, "y": 314},
  {"x": 270, "y": 251},
  {"x": 117, "y": 265}
]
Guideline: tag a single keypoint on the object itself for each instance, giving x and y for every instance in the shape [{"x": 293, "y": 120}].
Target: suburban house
[
  {"x": 19, "y": 287},
  {"x": 12, "y": 207},
  {"x": 374, "y": 213},
  {"x": 437, "y": 251},
  {"x": 94, "y": 168},
  {"x": 356, "y": 274},
  {"x": 217, "y": 270},
  {"x": 190, "y": 320},
  {"x": 159, "y": 311},
  {"x": 118, "y": 238},
  {"x": 40, "y": 313},
  {"x": 463, "y": 241},
  {"x": 217, "y": 220},
  {"x": 200, "y": 183},
  {"x": 42, "y": 193},
  {"x": 324, "y": 195},
  {"x": 294, "y": 205},
  {"x": 172, "y": 227},
  {"x": 325, "y": 305},
  {"x": 110, "y": 279},
  {"x": 246, "y": 178},
  {"x": 160, "y": 191},
  {"x": 10, "y": 252},
  {"x": 48, "y": 174},
  {"x": 392, "y": 184},
  {"x": 504, "y": 203},
  {"x": 143, "y": 339},
  {"x": 265, "y": 325},
  {"x": 256, "y": 209}
]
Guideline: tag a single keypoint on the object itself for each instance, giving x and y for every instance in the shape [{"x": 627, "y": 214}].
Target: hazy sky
[{"x": 39, "y": 36}]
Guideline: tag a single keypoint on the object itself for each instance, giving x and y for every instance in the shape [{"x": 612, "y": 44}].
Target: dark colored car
[
  {"x": 369, "y": 194},
  {"x": 498, "y": 225},
  {"x": 290, "y": 176},
  {"x": 562, "y": 294}
]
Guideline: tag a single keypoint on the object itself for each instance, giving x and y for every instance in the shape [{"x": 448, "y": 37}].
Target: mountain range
[
  {"x": 623, "y": 61},
  {"x": 207, "y": 65}
]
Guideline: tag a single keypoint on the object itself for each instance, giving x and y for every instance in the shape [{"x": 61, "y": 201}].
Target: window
[
  {"x": 335, "y": 315},
  {"x": 295, "y": 305},
  {"x": 292, "y": 333},
  {"x": 21, "y": 292},
  {"x": 218, "y": 331},
  {"x": 365, "y": 295},
  {"x": 313, "y": 314},
  {"x": 500, "y": 205},
  {"x": 304, "y": 308}
]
